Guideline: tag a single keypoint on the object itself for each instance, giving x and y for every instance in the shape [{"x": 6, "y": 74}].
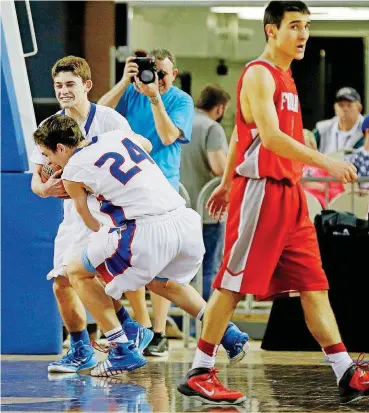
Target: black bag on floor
[{"x": 344, "y": 247}]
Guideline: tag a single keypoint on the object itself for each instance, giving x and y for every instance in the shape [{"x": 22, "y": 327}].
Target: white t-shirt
[
  {"x": 123, "y": 177},
  {"x": 101, "y": 119}
]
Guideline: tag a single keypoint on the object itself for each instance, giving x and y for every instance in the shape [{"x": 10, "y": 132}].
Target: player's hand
[
  {"x": 150, "y": 90},
  {"x": 130, "y": 70},
  {"x": 342, "y": 170},
  {"x": 217, "y": 204},
  {"x": 54, "y": 186}
]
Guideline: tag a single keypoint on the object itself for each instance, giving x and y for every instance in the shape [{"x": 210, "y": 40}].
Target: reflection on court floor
[{"x": 273, "y": 381}]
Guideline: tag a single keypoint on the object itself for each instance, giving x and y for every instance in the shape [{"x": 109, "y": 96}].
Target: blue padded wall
[
  {"x": 13, "y": 149},
  {"x": 29, "y": 316}
]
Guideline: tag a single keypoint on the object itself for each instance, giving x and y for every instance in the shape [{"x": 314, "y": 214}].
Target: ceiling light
[{"x": 317, "y": 13}]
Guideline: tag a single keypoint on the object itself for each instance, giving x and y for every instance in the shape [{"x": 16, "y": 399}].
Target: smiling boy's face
[{"x": 70, "y": 90}]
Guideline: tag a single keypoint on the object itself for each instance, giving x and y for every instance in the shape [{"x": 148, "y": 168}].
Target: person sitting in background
[
  {"x": 203, "y": 159},
  {"x": 361, "y": 157},
  {"x": 344, "y": 130},
  {"x": 318, "y": 189}
]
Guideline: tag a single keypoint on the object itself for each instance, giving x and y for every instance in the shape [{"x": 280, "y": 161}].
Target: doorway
[{"x": 329, "y": 64}]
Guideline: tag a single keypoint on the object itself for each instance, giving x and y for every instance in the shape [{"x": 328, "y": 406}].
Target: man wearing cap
[{"x": 344, "y": 130}]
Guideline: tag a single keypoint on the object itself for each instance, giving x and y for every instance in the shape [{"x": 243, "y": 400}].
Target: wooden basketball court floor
[{"x": 273, "y": 381}]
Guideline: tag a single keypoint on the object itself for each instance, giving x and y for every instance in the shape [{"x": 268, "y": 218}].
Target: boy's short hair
[
  {"x": 275, "y": 11},
  {"x": 77, "y": 65},
  {"x": 58, "y": 129}
]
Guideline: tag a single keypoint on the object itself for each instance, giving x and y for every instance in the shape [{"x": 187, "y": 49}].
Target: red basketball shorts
[{"x": 271, "y": 245}]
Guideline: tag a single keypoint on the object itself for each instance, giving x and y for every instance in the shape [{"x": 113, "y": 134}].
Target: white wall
[
  {"x": 184, "y": 31},
  {"x": 187, "y": 32}
]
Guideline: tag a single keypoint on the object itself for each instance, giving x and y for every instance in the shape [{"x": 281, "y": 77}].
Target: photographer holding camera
[{"x": 162, "y": 113}]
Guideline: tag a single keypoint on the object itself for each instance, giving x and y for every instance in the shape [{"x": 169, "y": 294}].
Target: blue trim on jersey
[
  {"x": 115, "y": 213},
  {"x": 93, "y": 140},
  {"x": 121, "y": 259},
  {"x": 90, "y": 118}
]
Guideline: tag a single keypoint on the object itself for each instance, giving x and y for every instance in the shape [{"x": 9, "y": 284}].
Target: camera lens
[
  {"x": 147, "y": 76},
  {"x": 161, "y": 74}
]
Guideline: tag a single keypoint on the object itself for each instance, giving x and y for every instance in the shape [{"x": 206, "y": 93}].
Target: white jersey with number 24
[{"x": 123, "y": 177}]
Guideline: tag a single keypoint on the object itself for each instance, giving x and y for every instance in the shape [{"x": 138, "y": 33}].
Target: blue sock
[
  {"x": 123, "y": 316},
  {"x": 79, "y": 335}
]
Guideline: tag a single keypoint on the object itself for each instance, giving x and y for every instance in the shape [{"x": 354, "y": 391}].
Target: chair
[
  {"x": 184, "y": 194},
  {"x": 355, "y": 202},
  {"x": 314, "y": 206}
]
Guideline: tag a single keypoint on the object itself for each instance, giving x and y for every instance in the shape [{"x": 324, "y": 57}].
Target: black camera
[{"x": 147, "y": 70}]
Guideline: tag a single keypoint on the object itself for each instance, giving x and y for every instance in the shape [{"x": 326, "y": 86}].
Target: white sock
[
  {"x": 117, "y": 335},
  {"x": 200, "y": 316},
  {"x": 203, "y": 360},
  {"x": 340, "y": 362}
]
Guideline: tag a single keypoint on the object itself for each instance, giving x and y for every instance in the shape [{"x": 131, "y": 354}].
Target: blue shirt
[{"x": 136, "y": 108}]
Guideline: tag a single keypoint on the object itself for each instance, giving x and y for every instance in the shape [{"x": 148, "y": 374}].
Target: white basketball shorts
[
  {"x": 167, "y": 246},
  {"x": 72, "y": 236}
]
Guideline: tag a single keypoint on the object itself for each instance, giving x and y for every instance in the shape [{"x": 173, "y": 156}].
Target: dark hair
[
  {"x": 58, "y": 129},
  {"x": 275, "y": 11},
  {"x": 211, "y": 96}
]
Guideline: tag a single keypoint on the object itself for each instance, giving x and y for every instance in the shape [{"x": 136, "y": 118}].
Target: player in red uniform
[{"x": 271, "y": 245}]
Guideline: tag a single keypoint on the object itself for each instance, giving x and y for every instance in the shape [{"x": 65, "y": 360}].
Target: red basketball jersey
[{"x": 253, "y": 159}]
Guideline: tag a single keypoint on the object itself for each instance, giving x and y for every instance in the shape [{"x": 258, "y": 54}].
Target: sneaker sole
[
  {"x": 222, "y": 403},
  {"x": 355, "y": 398},
  {"x": 156, "y": 354},
  {"x": 64, "y": 369},
  {"x": 60, "y": 369},
  {"x": 240, "y": 356}
]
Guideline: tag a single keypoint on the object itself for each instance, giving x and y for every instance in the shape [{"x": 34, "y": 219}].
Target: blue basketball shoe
[
  {"x": 140, "y": 335},
  {"x": 79, "y": 357},
  {"x": 236, "y": 343},
  {"x": 122, "y": 357}
]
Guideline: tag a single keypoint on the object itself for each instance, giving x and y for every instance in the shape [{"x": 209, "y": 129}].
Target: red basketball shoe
[
  {"x": 354, "y": 384},
  {"x": 203, "y": 384}
]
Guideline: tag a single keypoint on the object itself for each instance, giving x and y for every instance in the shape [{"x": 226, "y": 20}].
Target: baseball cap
[
  {"x": 348, "y": 93},
  {"x": 365, "y": 124}
]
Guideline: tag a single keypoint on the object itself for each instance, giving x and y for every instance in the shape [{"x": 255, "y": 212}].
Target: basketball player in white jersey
[
  {"x": 150, "y": 233},
  {"x": 72, "y": 81}
]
